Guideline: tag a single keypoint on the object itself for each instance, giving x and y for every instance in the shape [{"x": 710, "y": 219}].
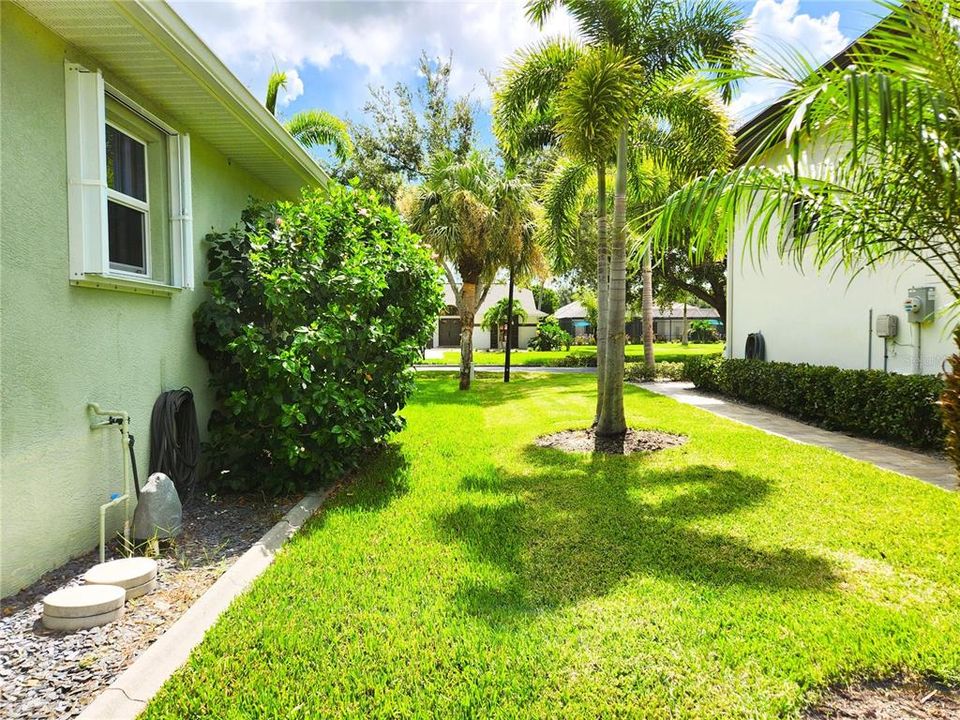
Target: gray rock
[{"x": 159, "y": 513}]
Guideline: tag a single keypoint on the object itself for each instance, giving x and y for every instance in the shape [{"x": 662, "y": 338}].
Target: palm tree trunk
[
  {"x": 648, "y": 358},
  {"x": 506, "y": 356},
  {"x": 468, "y": 311},
  {"x": 683, "y": 328},
  {"x": 603, "y": 285},
  {"x": 612, "y": 419}
]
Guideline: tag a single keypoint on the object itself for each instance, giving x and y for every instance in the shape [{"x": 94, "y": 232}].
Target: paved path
[
  {"x": 513, "y": 368},
  {"x": 934, "y": 470}
]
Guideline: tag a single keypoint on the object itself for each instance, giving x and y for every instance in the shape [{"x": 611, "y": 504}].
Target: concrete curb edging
[{"x": 129, "y": 693}]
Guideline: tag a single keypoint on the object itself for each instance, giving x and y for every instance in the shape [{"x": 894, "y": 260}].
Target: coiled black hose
[{"x": 175, "y": 438}]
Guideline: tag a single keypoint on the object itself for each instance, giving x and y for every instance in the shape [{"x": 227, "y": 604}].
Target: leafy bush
[
  {"x": 703, "y": 331},
  {"x": 317, "y": 311},
  {"x": 900, "y": 408},
  {"x": 585, "y": 340},
  {"x": 550, "y": 336},
  {"x": 639, "y": 372}
]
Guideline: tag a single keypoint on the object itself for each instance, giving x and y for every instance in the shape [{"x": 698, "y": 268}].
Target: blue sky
[{"x": 335, "y": 50}]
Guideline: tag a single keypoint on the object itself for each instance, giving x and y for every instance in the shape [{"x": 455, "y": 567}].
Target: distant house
[
  {"x": 828, "y": 317},
  {"x": 667, "y": 321},
  {"x": 573, "y": 318},
  {"x": 125, "y": 141},
  {"x": 447, "y": 332}
]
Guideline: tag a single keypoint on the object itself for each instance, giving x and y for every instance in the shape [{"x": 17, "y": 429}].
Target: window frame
[
  {"x": 142, "y": 206},
  {"x": 87, "y": 96}
]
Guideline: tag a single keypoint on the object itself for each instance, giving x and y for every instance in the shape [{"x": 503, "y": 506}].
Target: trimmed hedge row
[
  {"x": 576, "y": 360},
  {"x": 639, "y": 372},
  {"x": 871, "y": 403}
]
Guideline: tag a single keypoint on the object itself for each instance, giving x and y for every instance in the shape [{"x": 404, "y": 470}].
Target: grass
[
  {"x": 466, "y": 574},
  {"x": 663, "y": 352}
]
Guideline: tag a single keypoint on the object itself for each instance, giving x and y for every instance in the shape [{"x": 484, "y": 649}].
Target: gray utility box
[
  {"x": 919, "y": 304},
  {"x": 886, "y": 326}
]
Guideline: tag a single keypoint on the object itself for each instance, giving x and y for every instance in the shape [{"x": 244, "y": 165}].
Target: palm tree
[
  {"x": 588, "y": 95},
  {"x": 477, "y": 219},
  {"x": 502, "y": 315},
  {"x": 312, "y": 128},
  {"x": 890, "y": 121}
]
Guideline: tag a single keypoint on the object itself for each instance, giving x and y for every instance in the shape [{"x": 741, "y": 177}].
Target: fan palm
[
  {"x": 890, "y": 123},
  {"x": 478, "y": 220},
  {"x": 586, "y": 96},
  {"x": 312, "y": 128}
]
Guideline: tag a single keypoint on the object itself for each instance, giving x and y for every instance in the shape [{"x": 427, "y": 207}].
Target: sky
[{"x": 334, "y": 50}]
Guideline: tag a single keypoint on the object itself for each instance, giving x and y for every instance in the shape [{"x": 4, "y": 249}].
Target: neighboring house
[
  {"x": 572, "y": 317},
  {"x": 447, "y": 332},
  {"x": 667, "y": 321},
  {"x": 827, "y": 317},
  {"x": 124, "y": 141}
]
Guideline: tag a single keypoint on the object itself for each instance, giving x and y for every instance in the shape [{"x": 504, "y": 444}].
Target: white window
[{"x": 128, "y": 193}]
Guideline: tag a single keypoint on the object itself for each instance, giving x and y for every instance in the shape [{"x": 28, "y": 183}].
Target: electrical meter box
[
  {"x": 919, "y": 304},
  {"x": 886, "y": 326}
]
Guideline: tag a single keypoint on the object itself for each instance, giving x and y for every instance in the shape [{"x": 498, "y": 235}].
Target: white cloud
[
  {"x": 776, "y": 25},
  {"x": 251, "y": 36},
  {"x": 292, "y": 90}
]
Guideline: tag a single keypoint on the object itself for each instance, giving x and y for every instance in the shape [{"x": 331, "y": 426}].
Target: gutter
[{"x": 168, "y": 30}]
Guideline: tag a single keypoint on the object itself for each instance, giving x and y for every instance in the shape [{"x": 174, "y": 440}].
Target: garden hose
[{"x": 175, "y": 438}]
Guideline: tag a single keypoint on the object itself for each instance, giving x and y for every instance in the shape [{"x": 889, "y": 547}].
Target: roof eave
[{"x": 169, "y": 31}]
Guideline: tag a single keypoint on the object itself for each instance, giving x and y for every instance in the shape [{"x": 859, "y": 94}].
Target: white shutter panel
[
  {"x": 86, "y": 172},
  {"x": 181, "y": 222}
]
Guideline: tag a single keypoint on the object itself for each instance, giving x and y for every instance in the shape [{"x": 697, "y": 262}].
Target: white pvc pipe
[{"x": 124, "y": 451}]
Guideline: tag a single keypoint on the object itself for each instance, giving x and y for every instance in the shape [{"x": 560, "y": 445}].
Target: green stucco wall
[{"x": 63, "y": 346}]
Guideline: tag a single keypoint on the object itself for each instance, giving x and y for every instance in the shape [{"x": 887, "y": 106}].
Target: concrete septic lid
[
  {"x": 68, "y": 624},
  {"x": 83, "y": 601},
  {"x": 148, "y": 587},
  {"x": 126, "y": 573}
]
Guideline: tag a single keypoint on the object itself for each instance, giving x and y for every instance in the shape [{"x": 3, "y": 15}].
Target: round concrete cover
[
  {"x": 51, "y": 622},
  {"x": 127, "y": 573},
  {"x": 83, "y": 601},
  {"x": 148, "y": 587}
]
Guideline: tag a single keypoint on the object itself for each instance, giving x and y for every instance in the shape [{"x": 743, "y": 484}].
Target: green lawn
[
  {"x": 467, "y": 574},
  {"x": 663, "y": 352}
]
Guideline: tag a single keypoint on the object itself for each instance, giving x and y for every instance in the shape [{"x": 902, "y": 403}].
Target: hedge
[
  {"x": 870, "y": 403},
  {"x": 639, "y": 372},
  {"x": 317, "y": 311}
]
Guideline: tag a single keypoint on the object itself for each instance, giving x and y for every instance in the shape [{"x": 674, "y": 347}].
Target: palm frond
[
  {"x": 277, "y": 80},
  {"x": 316, "y": 128}
]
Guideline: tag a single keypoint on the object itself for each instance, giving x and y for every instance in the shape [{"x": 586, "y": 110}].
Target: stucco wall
[
  {"x": 823, "y": 318},
  {"x": 65, "y": 346}
]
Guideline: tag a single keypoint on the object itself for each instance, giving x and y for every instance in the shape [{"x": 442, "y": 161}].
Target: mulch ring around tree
[
  {"x": 586, "y": 441},
  {"x": 889, "y": 700}
]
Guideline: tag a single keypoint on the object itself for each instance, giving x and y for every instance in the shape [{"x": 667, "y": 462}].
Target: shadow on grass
[
  {"x": 383, "y": 478},
  {"x": 489, "y": 390},
  {"x": 573, "y": 530}
]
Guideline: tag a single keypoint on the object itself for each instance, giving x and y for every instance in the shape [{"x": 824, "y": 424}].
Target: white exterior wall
[{"x": 823, "y": 318}]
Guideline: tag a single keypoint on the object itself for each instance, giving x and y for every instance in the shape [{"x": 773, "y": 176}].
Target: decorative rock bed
[{"x": 49, "y": 674}]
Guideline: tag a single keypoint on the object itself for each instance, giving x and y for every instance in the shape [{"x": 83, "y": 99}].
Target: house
[
  {"x": 447, "y": 332},
  {"x": 667, "y": 321},
  {"x": 573, "y": 318},
  {"x": 124, "y": 141},
  {"x": 829, "y": 317}
]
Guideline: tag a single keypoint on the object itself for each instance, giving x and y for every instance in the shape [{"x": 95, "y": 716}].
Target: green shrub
[
  {"x": 317, "y": 311},
  {"x": 871, "y": 403},
  {"x": 550, "y": 336},
  {"x": 639, "y": 372}
]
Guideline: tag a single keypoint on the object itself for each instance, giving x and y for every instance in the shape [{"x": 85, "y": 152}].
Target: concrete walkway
[{"x": 935, "y": 470}]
